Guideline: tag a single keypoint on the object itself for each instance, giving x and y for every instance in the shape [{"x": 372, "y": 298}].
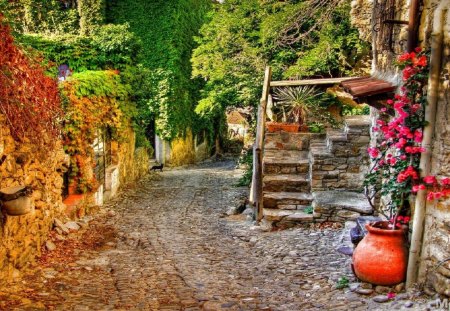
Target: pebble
[
  {"x": 354, "y": 286},
  {"x": 409, "y": 304},
  {"x": 171, "y": 251},
  {"x": 381, "y": 298},
  {"x": 49, "y": 245},
  {"x": 72, "y": 226},
  {"x": 364, "y": 291},
  {"x": 382, "y": 289},
  {"x": 60, "y": 225},
  {"x": 399, "y": 287}
]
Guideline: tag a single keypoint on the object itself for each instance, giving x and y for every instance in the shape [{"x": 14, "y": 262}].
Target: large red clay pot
[{"x": 381, "y": 257}]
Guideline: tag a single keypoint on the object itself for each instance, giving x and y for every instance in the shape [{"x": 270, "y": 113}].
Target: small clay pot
[
  {"x": 15, "y": 200},
  {"x": 17, "y": 207}
]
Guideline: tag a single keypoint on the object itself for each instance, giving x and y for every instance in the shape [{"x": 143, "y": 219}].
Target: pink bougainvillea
[{"x": 396, "y": 157}]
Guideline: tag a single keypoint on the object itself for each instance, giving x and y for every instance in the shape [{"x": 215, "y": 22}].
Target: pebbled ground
[{"x": 167, "y": 244}]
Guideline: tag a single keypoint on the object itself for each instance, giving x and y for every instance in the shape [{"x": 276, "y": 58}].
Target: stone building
[{"x": 393, "y": 25}]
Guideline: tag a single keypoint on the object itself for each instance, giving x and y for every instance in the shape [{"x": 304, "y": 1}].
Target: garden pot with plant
[
  {"x": 381, "y": 257},
  {"x": 300, "y": 109}
]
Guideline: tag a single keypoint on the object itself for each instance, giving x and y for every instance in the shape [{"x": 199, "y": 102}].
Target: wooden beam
[{"x": 310, "y": 82}]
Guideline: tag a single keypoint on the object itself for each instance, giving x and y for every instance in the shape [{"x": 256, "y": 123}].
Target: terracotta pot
[
  {"x": 381, "y": 257},
  {"x": 287, "y": 127}
]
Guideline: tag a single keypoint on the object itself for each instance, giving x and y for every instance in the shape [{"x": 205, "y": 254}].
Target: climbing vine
[
  {"x": 167, "y": 52},
  {"x": 28, "y": 98},
  {"x": 93, "y": 100}
]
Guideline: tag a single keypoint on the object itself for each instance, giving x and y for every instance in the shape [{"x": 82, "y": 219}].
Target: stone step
[
  {"x": 285, "y": 162},
  {"x": 288, "y": 141},
  {"x": 286, "y": 183},
  {"x": 340, "y": 205},
  {"x": 287, "y": 200},
  {"x": 335, "y": 138},
  {"x": 277, "y": 215}
]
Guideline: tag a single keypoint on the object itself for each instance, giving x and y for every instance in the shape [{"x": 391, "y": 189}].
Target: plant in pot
[
  {"x": 294, "y": 104},
  {"x": 381, "y": 257}
]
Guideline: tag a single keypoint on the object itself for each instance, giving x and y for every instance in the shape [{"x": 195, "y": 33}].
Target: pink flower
[
  {"x": 373, "y": 152},
  {"x": 416, "y": 188},
  {"x": 391, "y": 295},
  {"x": 445, "y": 181},
  {"x": 418, "y": 49},
  {"x": 429, "y": 179}
]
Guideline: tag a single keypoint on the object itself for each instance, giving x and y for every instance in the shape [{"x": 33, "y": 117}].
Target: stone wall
[
  {"x": 435, "y": 263},
  {"x": 21, "y": 237},
  {"x": 342, "y": 161},
  {"x": 133, "y": 162}
]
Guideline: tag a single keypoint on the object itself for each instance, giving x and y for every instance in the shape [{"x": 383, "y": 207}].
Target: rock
[
  {"x": 72, "y": 226},
  {"x": 381, "y": 298},
  {"x": 59, "y": 237},
  {"x": 408, "y": 304},
  {"x": 59, "y": 224},
  {"x": 382, "y": 289},
  {"x": 111, "y": 213},
  {"x": 399, "y": 287},
  {"x": 49, "y": 245},
  {"x": 364, "y": 291},
  {"x": 402, "y": 296},
  {"x": 366, "y": 285},
  {"x": 354, "y": 286}
]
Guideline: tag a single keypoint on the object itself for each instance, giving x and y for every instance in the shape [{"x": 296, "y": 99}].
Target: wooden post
[{"x": 258, "y": 148}]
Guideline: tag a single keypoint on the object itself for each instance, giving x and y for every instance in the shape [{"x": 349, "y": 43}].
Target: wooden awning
[{"x": 367, "y": 86}]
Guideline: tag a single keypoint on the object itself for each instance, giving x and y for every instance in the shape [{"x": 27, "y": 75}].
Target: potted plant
[
  {"x": 294, "y": 104},
  {"x": 381, "y": 257}
]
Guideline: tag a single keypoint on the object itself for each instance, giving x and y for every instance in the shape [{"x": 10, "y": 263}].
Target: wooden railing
[{"x": 256, "y": 191}]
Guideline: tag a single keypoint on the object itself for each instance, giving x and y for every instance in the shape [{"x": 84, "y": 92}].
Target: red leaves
[{"x": 28, "y": 98}]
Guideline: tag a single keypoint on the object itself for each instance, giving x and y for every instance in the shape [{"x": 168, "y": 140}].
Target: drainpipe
[
  {"x": 430, "y": 115},
  {"x": 412, "y": 25}
]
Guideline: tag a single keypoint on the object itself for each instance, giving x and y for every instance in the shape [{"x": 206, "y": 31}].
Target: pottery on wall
[{"x": 15, "y": 200}]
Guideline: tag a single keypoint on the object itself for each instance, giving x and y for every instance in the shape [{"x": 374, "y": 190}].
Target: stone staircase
[{"x": 316, "y": 177}]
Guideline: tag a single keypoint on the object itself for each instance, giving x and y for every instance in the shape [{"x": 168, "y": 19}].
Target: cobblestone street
[{"x": 171, "y": 246}]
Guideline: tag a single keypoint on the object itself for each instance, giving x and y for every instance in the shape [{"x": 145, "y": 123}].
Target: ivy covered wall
[{"x": 167, "y": 30}]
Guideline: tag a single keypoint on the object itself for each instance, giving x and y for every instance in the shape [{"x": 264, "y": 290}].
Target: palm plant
[{"x": 296, "y": 103}]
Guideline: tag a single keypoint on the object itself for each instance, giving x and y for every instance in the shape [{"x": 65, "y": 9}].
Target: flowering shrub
[{"x": 396, "y": 157}]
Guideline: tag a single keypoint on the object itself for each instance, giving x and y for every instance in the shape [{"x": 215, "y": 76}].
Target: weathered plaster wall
[
  {"x": 435, "y": 264},
  {"x": 21, "y": 237}
]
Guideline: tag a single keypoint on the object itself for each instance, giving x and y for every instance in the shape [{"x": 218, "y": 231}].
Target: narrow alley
[{"x": 167, "y": 244}]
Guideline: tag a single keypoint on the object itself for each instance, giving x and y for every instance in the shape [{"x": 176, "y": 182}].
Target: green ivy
[
  {"x": 166, "y": 30},
  {"x": 109, "y": 47}
]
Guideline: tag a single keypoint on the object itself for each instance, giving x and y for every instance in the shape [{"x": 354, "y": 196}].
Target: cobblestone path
[{"x": 175, "y": 249}]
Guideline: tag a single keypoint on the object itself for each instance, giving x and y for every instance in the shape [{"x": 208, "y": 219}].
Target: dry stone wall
[{"x": 21, "y": 237}]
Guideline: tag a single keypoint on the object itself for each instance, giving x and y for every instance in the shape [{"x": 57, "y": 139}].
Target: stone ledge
[{"x": 338, "y": 200}]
